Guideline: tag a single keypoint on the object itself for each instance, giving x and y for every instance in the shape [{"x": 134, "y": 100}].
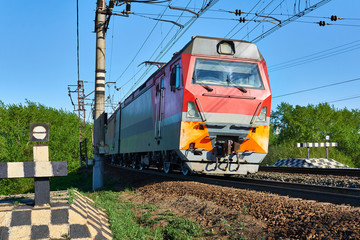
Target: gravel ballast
[
  {"x": 285, "y": 217},
  {"x": 323, "y": 180},
  {"x": 270, "y": 215}
]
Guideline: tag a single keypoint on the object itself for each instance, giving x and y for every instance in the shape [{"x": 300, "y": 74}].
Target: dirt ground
[{"x": 234, "y": 213}]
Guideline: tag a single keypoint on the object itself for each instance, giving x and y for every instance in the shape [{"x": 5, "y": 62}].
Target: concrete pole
[
  {"x": 99, "y": 133},
  {"x": 308, "y": 152},
  {"x": 327, "y": 153}
]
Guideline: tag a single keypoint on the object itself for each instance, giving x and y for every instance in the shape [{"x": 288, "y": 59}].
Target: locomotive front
[{"x": 226, "y": 107}]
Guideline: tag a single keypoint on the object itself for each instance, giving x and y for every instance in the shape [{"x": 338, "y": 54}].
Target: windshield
[{"x": 226, "y": 73}]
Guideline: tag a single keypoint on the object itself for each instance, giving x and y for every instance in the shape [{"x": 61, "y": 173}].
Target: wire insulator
[
  {"x": 333, "y": 18},
  {"x": 238, "y": 12},
  {"x": 322, "y": 23},
  {"x": 128, "y": 6},
  {"x": 111, "y": 4},
  {"x": 242, "y": 20}
]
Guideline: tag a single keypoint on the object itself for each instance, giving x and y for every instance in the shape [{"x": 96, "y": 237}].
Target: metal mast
[{"x": 82, "y": 124}]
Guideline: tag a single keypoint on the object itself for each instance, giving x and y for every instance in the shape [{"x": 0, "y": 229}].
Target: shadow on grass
[
  {"x": 80, "y": 179},
  {"x": 115, "y": 179},
  {"x": 16, "y": 201}
]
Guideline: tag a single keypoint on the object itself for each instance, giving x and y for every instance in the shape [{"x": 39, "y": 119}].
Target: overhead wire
[
  {"x": 160, "y": 44},
  {"x": 112, "y": 50},
  {"x": 171, "y": 42},
  {"x": 315, "y": 88},
  {"x": 170, "y": 15},
  {"x": 142, "y": 1},
  {"x": 272, "y": 14},
  {"x": 203, "y": 6},
  {"x": 316, "y": 56},
  {"x": 141, "y": 47},
  {"x": 239, "y": 22},
  {"x": 139, "y": 70},
  {"x": 332, "y": 23},
  {"x": 77, "y": 39},
  {"x": 320, "y": 3},
  {"x": 257, "y": 25},
  {"x": 147, "y": 15},
  {"x": 178, "y": 35},
  {"x": 343, "y": 99},
  {"x": 253, "y": 18},
  {"x": 311, "y": 16},
  {"x": 77, "y": 56},
  {"x": 111, "y": 57}
]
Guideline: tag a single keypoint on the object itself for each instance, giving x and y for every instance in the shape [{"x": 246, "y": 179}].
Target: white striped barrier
[
  {"x": 323, "y": 144},
  {"x": 32, "y": 169}
]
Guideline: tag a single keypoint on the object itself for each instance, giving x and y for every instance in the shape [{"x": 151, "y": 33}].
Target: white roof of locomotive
[{"x": 208, "y": 46}]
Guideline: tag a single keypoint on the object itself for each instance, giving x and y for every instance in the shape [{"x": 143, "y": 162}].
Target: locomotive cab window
[
  {"x": 227, "y": 73},
  {"x": 175, "y": 77},
  {"x": 162, "y": 83}
]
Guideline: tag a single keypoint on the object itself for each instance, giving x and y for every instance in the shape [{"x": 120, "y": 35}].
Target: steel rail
[
  {"x": 335, "y": 195},
  {"x": 355, "y": 172}
]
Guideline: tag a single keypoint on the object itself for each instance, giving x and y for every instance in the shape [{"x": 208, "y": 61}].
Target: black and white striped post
[
  {"x": 324, "y": 144},
  {"x": 41, "y": 169},
  {"x": 40, "y": 133},
  {"x": 327, "y": 138}
]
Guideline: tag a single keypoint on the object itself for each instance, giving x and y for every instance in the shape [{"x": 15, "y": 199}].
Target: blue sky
[{"x": 38, "y": 54}]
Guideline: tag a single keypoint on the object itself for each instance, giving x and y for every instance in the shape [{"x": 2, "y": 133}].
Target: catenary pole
[{"x": 99, "y": 116}]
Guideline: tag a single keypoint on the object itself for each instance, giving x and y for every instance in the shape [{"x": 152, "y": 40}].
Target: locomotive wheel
[
  {"x": 121, "y": 163},
  {"x": 141, "y": 166},
  {"x": 166, "y": 167},
  {"x": 184, "y": 169}
]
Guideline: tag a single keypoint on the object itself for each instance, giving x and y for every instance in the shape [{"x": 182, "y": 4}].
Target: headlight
[
  {"x": 192, "y": 111},
  {"x": 262, "y": 115}
]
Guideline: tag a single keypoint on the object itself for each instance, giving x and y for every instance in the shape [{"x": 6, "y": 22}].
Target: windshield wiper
[
  {"x": 228, "y": 80},
  {"x": 203, "y": 85},
  {"x": 241, "y": 89},
  {"x": 207, "y": 87}
]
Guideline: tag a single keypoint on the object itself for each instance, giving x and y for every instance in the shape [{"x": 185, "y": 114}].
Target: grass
[
  {"x": 150, "y": 207},
  {"x": 182, "y": 229},
  {"x": 130, "y": 221},
  {"x": 66, "y": 236},
  {"x": 71, "y": 195},
  {"x": 242, "y": 225},
  {"x": 228, "y": 228},
  {"x": 80, "y": 179},
  {"x": 121, "y": 217},
  {"x": 127, "y": 220},
  {"x": 244, "y": 210}
]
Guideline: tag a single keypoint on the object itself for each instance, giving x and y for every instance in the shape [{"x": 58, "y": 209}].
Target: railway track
[
  {"x": 335, "y": 195},
  {"x": 355, "y": 172}
]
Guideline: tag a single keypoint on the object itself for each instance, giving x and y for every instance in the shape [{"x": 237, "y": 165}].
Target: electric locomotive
[{"x": 205, "y": 111}]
